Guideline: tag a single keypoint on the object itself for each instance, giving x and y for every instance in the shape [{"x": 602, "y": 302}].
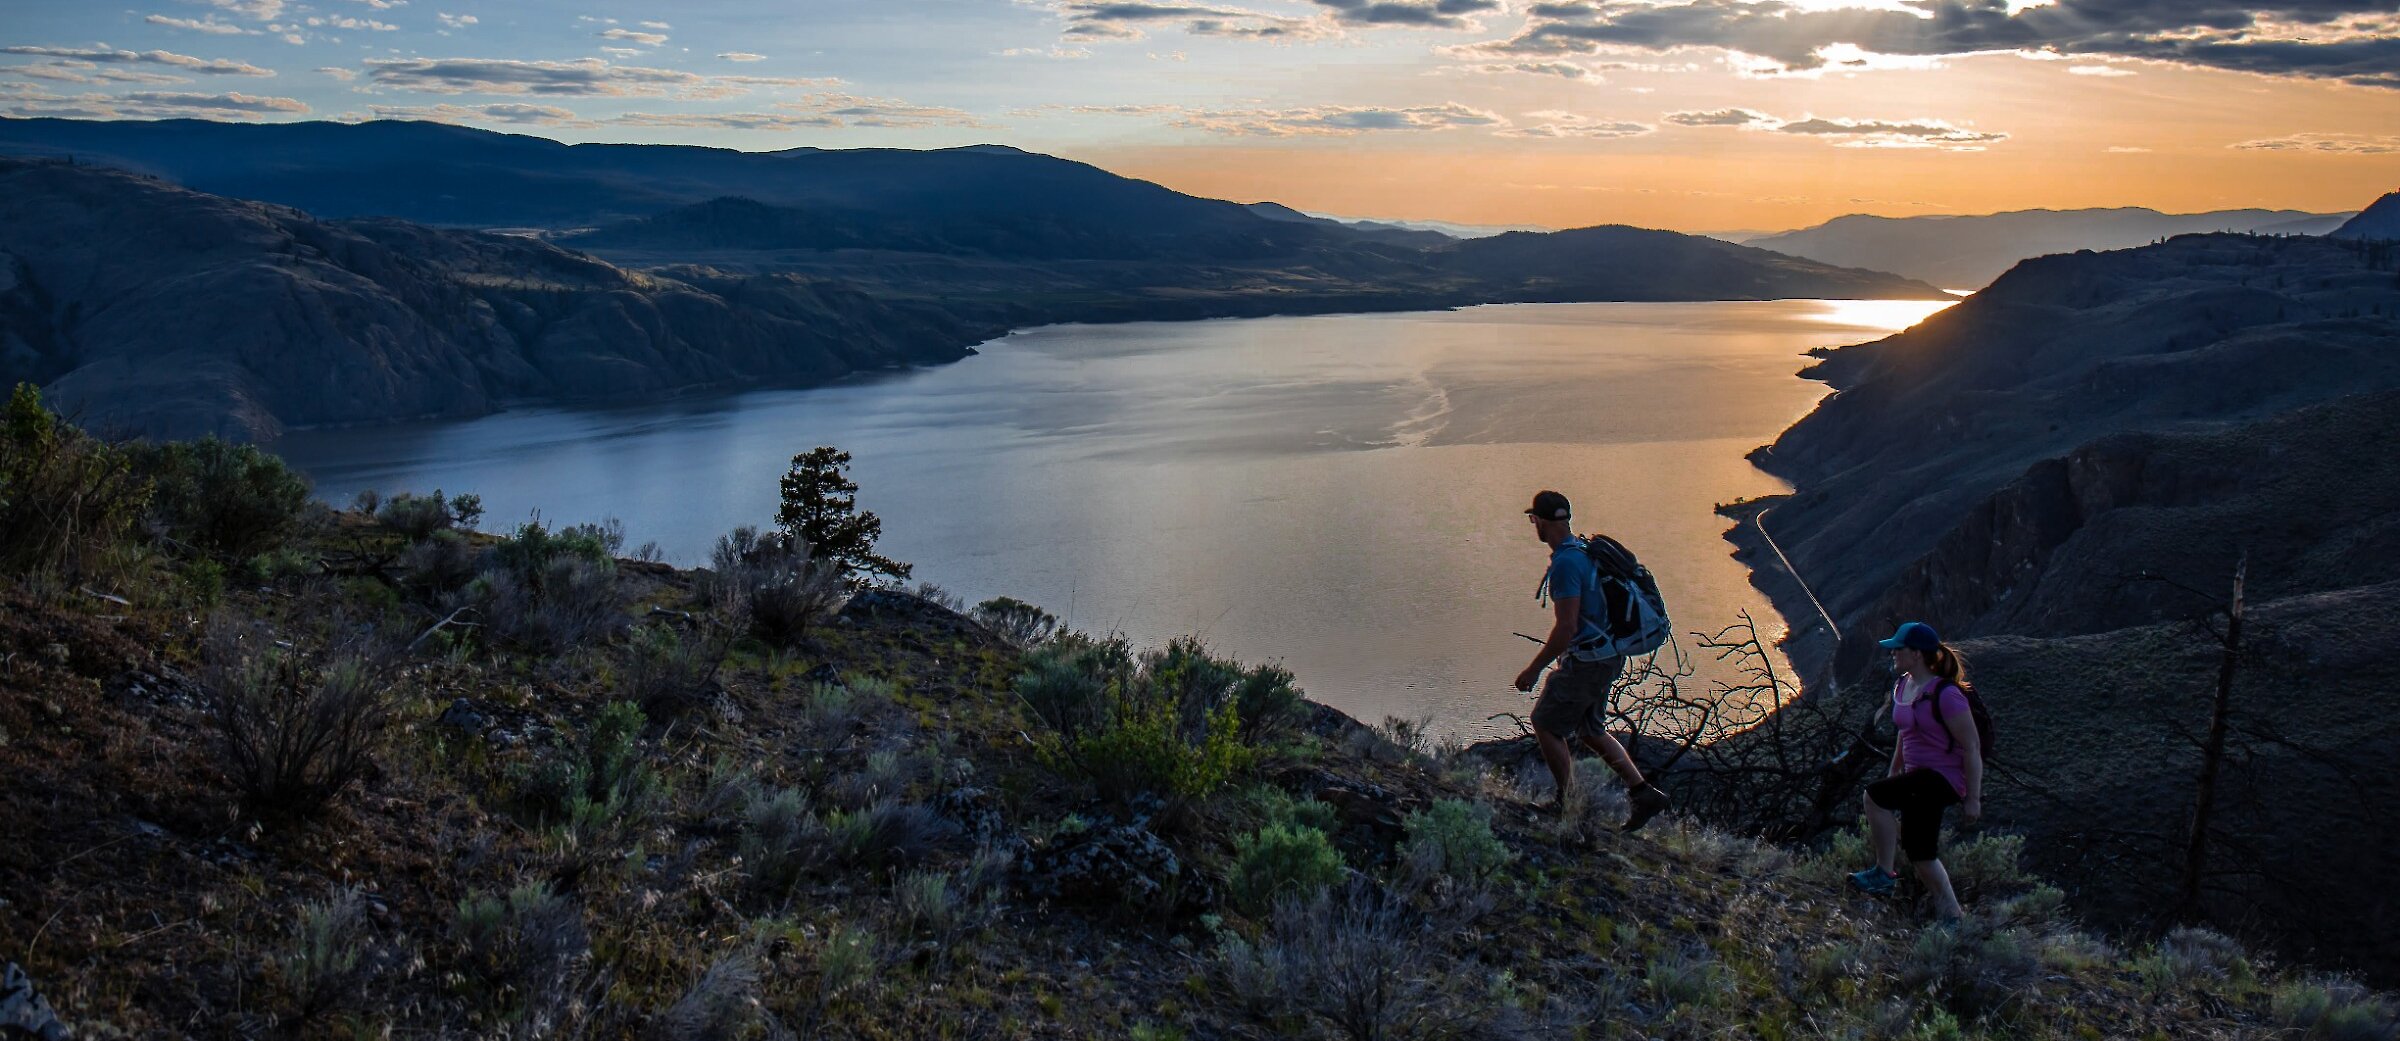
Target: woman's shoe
[
  {"x": 1647, "y": 802},
  {"x": 1874, "y": 880}
]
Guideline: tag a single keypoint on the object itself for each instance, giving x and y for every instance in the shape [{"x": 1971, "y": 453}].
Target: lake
[{"x": 1342, "y": 493}]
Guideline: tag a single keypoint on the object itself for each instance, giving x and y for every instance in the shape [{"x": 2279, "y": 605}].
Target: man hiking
[{"x": 1574, "y": 702}]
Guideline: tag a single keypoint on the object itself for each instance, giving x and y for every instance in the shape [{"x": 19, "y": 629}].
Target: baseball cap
[
  {"x": 1548, "y": 505},
  {"x": 1916, "y": 636}
]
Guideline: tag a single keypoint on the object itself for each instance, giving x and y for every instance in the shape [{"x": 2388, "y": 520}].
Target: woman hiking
[{"x": 1937, "y": 761}]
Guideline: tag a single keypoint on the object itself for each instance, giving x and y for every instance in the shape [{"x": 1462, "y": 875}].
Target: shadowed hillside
[{"x": 2066, "y": 471}]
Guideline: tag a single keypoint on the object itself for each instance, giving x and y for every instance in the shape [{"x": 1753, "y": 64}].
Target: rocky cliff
[
  {"x": 152, "y": 309},
  {"x": 1963, "y": 252}
]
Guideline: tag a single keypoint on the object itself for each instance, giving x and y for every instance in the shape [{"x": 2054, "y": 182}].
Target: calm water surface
[{"x": 1340, "y": 493}]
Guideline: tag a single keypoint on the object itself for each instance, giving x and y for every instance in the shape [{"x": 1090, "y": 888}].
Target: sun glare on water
[{"x": 1884, "y": 315}]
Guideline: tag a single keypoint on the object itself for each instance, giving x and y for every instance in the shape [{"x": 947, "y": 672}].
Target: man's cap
[
  {"x": 1548, "y": 505},
  {"x": 1916, "y": 636}
]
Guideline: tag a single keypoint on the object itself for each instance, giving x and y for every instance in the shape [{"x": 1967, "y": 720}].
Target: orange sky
[{"x": 2062, "y": 128}]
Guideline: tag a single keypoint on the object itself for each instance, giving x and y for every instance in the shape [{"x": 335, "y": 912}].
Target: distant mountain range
[
  {"x": 639, "y": 269},
  {"x": 1967, "y": 252}
]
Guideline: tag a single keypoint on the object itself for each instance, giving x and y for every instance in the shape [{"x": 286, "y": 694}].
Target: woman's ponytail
[{"x": 1948, "y": 664}]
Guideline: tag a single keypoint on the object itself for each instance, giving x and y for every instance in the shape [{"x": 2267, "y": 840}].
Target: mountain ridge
[{"x": 1965, "y": 251}]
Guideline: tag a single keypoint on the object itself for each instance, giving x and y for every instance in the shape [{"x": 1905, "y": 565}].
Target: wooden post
[{"x": 2212, "y": 751}]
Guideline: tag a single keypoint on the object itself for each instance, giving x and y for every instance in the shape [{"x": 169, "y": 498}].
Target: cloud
[
  {"x": 1555, "y": 124},
  {"x": 1127, "y": 19},
  {"x": 1723, "y": 117},
  {"x": 725, "y": 120},
  {"x": 645, "y": 39},
  {"x": 1432, "y": 14},
  {"x": 17, "y": 101},
  {"x": 1870, "y": 133},
  {"x": 2335, "y": 144},
  {"x": 656, "y": 25},
  {"x": 216, "y": 102},
  {"x": 1054, "y": 53},
  {"x": 455, "y": 21},
  {"x": 742, "y": 56},
  {"x": 209, "y": 25},
  {"x": 355, "y": 24},
  {"x": 857, "y": 111},
  {"x": 1561, "y": 69},
  {"x": 2356, "y": 41},
  {"x": 720, "y": 87},
  {"x": 104, "y": 54},
  {"x": 262, "y": 10},
  {"x": 1850, "y": 133},
  {"x": 2105, "y": 71},
  {"x": 516, "y": 113},
  {"x": 1334, "y": 120},
  {"x": 87, "y": 72},
  {"x": 585, "y": 76},
  {"x": 382, "y": 5},
  {"x": 2125, "y": 150},
  {"x": 344, "y": 75}
]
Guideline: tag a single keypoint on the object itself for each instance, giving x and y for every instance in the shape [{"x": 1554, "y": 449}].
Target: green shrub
[
  {"x": 1277, "y": 806},
  {"x": 1986, "y": 864},
  {"x": 530, "y": 551},
  {"x": 668, "y": 672},
  {"x": 326, "y": 964},
  {"x": 781, "y": 840},
  {"x": 778, "y": 589},
  {"x": 1169, "y": 728},
  {"x": 1279, "y": 859},
  {"x": 226, "y": 499},
  {"x": 2192, "y": 953},
  {"x": 1021, "y": 624},
  {"x": 570, "y": 602},
  {"x": 1453, "y": 839},
  {"x": 440, "y": 563},
  {"x": 1144, "y": 750},
  {"x": 926, "y": 903},
  {"x": 1689, "y": 977},
  {"x": 525, "y": 943},
  {"x": 723, "y": 1003},
  {"x": 418, "y": 517},
  {"x": 2334, "y": 1010},
  {"x": 889, "y": 833},
  {"x": 68, "y": 502}
]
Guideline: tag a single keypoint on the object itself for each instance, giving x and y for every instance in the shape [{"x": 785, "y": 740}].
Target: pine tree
[{"x": 820, "y": 511}]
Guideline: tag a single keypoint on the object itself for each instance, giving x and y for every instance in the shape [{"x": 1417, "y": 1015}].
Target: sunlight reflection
[{"x": 1886, "y": 315}]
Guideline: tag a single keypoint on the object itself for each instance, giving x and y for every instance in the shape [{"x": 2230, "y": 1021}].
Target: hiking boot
[
  {"x": 1874, "y": 881},
  {"x": 1648, "y": 802}
]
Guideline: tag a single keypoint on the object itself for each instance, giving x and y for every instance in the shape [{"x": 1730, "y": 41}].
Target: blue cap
[{"x": 1916, "y": 636}]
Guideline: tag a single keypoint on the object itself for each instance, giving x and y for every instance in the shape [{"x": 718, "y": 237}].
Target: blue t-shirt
[{"x": 1572, "y": 573}]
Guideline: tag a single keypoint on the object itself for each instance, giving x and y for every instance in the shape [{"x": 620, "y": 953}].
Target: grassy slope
[{"x": 147, "y": 904}]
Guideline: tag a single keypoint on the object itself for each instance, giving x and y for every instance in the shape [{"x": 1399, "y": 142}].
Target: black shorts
[
  {"x": 1919, "y": 797},
  {"x": 1575, "y": 697}
]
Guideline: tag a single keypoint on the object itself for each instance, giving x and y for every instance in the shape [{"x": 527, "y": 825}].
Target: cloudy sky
[{"x": 1690, "y": 114}]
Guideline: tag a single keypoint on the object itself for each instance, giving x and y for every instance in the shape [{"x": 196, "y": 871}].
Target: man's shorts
[{"x": 1575, "y": 697}]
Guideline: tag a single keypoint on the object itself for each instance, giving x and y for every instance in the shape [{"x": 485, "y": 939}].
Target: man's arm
[{"x": 1568, "y": 620}]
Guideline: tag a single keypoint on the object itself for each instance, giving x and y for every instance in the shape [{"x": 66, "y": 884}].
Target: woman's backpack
[{"x": 1983, "y": 718}]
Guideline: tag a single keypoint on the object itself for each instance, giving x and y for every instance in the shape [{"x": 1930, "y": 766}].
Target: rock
[
  {"x": 977, "y": 814},
  {"x": 23, "y": 1011},
  {"x": 916, "y": 612},
  {"x": 499, "y": 726},
  {"x": 1117, "y": 865}
]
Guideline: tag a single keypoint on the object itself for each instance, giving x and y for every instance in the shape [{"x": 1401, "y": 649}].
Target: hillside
[
  {"x": 1967, "y": 252},
  {"x": 2378, "y": 221},
  {"x": 1583, "y": 263},
  {"x": 602, "y": 798},
  {"x": 154, "y": 309},
  {"x": 2065, "y": 470}
]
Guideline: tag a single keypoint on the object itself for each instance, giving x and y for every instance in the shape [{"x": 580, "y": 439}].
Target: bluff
[
  {"x": 2378, "y": 221},
  {"x": 2064, "y": 471},
  {"x": 150, "y": 308}
]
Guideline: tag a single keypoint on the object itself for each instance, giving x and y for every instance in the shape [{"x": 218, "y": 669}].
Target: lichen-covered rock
[
  {"x": 1116, "y": 864},
  {"x": 23, "y": 1011}
]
